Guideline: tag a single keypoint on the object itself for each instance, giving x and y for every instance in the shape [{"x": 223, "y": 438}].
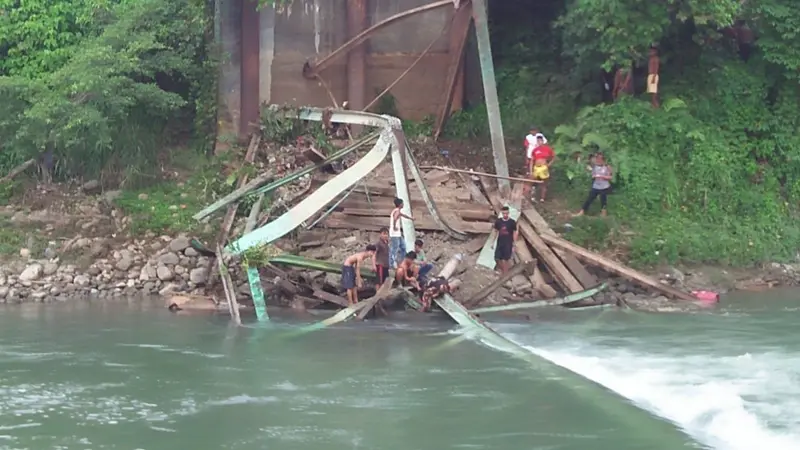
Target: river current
[{"x": 134, "y": 376}]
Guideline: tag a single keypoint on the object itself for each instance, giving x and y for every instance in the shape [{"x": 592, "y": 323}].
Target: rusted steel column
[
  {"x": 356, "y": 58},
  {"x": 250, "y": 68},
  {"x": 453, "y": 94}
]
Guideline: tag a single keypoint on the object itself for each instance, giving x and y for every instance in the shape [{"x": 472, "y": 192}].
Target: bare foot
[
  {"x": 578, "y": 214},
  {"x": 603, "y": 213}
]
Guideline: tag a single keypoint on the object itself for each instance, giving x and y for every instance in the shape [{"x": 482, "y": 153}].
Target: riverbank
[
  {"x": 54, "y": 254},
  {"x": 75, "y": 240}
]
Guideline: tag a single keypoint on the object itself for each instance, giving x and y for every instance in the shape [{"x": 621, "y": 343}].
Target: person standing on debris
[
  {"x": 351, "y": 273},
  {"x": 602, "y": 174},
  {"x": 408, "y": 271},
  {"x": 507, "y": 235},
  {"x": 397, "y": 245},
  {"x": 424, "y": 266},
  {"x": 380, "y": 263},
  {"x": 542, "y": 158}
]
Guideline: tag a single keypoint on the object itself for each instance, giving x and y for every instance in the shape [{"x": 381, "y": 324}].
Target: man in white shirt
[{"x": 531, "y": 143}]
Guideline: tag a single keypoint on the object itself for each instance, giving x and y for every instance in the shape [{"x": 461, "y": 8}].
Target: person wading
[
  {"x": 602, "y": 174},
  {"x": 397, "y": 245},
  {"x": 507, "y": 235},
  {"x": 542, "y": 158},
  {"x": 351, "y": 273},
  {"x": 380, "y": 263}
]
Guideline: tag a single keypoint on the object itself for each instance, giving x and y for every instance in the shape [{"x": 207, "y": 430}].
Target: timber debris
[{"x": 330, "y": 206}]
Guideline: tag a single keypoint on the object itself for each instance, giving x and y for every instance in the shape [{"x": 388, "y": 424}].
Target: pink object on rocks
[{"x": 706, "y": 296}]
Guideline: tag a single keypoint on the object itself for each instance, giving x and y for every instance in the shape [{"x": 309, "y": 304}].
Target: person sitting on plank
[
  {"x": 408, "y": 271},
  {"x": 351, "y": 273}
]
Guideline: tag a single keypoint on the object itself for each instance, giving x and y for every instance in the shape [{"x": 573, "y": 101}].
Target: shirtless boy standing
[{"x": 351, "y": 273}]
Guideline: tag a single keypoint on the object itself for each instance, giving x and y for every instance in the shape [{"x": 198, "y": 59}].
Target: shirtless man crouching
[{"x": 408, "y": 271}]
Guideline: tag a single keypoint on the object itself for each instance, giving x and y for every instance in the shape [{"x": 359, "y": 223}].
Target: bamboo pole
[
  {"x": 227, "y": 285},
  {"x": 481, "y": 174}
]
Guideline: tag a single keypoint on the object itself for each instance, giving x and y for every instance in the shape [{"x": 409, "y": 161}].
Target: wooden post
[
  {"x": 250, "y": 80},
  {"x": 481, "y": 17}
]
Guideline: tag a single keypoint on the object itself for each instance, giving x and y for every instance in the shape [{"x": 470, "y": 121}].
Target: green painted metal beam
[
  {"x": 540, "y": 303},
  {"x": 481, "y": 18},
  {"x": 313, "y": 202},
  {"x": 253, "y": 186},
  {"x": 257, "y": 292}
]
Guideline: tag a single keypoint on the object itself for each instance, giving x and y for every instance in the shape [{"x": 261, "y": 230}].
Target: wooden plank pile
[
  {"x": 551, "y": 264},
  {"x": 369, "y": 205}
]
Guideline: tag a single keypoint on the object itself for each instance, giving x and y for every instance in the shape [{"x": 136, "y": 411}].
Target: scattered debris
[{"x": 453, "y": 215}]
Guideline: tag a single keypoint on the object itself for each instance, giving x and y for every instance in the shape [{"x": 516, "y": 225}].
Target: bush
[{"x": 115, "y": 98}]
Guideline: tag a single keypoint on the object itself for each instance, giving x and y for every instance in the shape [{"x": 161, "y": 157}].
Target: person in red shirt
[{"x": 542, "y": 158}]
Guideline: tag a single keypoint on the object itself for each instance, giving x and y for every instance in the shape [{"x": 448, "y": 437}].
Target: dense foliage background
[
  {"x": 711, "y": 176},
  {"x": 104, "y": 84}
]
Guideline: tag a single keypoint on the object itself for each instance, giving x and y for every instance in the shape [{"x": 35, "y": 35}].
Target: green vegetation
[
  {"x": 12, "y": 238},
  {"x": 168, "y": 206},
  {"x": 104, "y": 85},
  {"x": 713, "y": 175}
]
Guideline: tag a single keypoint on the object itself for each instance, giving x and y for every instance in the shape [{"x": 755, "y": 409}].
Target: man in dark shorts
[
  {"x": 351, "y": 273},
  {"x": 381, "y": 261},
  {"x": 507, "y": 235}
]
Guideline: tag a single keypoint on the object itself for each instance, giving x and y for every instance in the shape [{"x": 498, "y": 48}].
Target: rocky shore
[
  {"x": 163, "y": 266},
  {"x": 157, "y": 266},
  {"x": 94, "y": 259}
]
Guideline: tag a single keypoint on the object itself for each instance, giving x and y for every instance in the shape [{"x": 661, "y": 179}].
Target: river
[{"x": 133, "y": 376}]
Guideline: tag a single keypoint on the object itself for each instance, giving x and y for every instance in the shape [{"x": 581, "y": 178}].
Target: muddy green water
[{"x": 86, "y": 376}]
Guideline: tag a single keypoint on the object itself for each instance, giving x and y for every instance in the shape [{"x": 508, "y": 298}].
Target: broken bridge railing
[{"x": 389, "y": 139}]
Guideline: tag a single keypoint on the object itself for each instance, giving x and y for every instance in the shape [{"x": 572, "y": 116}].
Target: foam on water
[{"x": 729, "y": 403}]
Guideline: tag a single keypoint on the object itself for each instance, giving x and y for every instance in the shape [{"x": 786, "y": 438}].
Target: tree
[{"x": 113, "y": 96}]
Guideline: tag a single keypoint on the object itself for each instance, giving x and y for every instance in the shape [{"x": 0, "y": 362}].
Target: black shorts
[
  {"x": 383, "y": 273},
  {"x": 348, "y": 277},
  {"x": 503, "y": 251}
]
